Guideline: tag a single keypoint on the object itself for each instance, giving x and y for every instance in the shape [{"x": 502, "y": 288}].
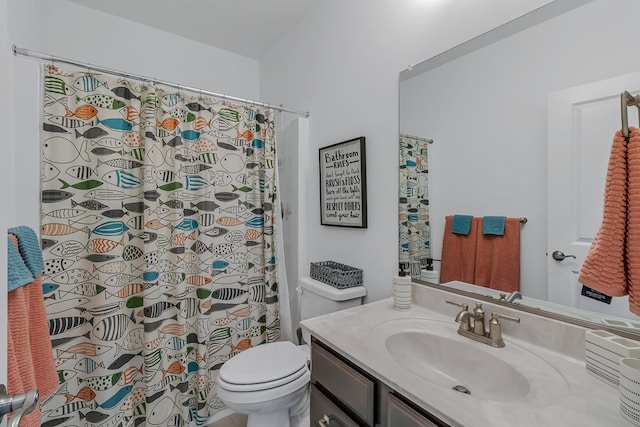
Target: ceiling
[{"x": 245, "y": 27}]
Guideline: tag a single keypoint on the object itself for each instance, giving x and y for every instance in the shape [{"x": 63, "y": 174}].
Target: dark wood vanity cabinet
[{"x": 344, "y": 395}]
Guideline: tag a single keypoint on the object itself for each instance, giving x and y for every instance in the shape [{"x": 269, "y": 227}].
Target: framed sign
[{"x": 343, "y": 184}]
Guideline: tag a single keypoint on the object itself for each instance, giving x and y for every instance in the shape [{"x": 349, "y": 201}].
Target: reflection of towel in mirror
[
  {"x": 613, "y": 263},
  {"x": 633, "y": 221},
  {"x": 461, "y": 224},
  {"x": 498, "y": 258},
  {"x": 30, "y": 362},
  {"x": 493, "y": 225},
  {"x": 604, "y": 267},
  {"x": 459, "y": 252}
]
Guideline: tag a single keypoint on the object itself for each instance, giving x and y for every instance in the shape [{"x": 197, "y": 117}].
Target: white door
[{"x": 582, "y": 122}]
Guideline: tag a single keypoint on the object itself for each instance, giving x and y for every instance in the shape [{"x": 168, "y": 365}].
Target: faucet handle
[
  {"x": 495, "y": 315},
  {"x": 464, "y": 307},
  {"x": 495, "y": 330}
]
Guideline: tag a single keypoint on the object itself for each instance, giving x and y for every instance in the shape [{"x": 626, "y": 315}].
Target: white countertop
[{"x": 584, "y": 401}]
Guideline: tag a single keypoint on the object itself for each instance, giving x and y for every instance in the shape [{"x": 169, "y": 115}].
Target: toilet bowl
[{"x": 269, "y": 383}]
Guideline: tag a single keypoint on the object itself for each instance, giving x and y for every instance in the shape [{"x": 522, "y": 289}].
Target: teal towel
[
  {"x": 24, "y": 262},
  {"x": 461, "y": 224},
  {"x": 17, "y": 272},
  {"x": 493, "y": 225}
]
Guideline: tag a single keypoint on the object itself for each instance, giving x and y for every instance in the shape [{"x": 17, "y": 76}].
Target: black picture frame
[{"x": 343, "y": 184}]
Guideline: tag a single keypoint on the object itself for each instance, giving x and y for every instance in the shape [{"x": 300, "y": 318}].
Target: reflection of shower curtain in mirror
[
  {"x": 157, "y": 228},
  {"x": 414, "y": 229}
]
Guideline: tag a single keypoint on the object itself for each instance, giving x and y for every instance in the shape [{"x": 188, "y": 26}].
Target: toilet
[{"x": 270, "y": 382}]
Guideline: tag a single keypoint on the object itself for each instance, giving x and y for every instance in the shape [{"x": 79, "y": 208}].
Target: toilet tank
[{"x": 317, "y": 298}]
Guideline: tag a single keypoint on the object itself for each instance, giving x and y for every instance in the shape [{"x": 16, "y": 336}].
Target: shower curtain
[
  {"x": 414, "y": 228},
  {"x": 158, "y": 217}
]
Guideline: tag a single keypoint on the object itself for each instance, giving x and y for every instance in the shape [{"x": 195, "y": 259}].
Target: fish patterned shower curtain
[
  {"x": 414, "y": 228},
  {"x": 158, "y": 239}
]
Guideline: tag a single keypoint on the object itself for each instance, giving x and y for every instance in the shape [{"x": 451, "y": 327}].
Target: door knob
[{"x": 559, "y": 256}]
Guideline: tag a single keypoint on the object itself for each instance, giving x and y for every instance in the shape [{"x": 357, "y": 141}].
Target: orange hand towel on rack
[
  {"x": 30, "y": 362},
  {"x": 459, "y": 252},
  {"x": 498, "y": 258}
]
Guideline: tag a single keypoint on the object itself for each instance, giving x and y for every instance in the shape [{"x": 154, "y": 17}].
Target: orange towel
[
  {"x": 459, "y": 253},
  {"x": 30, "y": 363},
  {"x": 633, "y": 221},
  {"x": 604, "y": 268},
  {"x": 498, "y": 258}
]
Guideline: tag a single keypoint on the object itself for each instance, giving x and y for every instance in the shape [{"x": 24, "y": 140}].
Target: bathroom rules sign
[{"x": 343, "y": 188}]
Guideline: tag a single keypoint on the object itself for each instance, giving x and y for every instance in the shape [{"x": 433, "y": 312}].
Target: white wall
[
  {"x": 341, "y": 63},
  {"x": 6, "y": 172},
  {"x": 68, "y": 30},
  {"x": 487, "y": 112}
]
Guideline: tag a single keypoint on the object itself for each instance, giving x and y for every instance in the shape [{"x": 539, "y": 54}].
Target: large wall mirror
[{"x": 522, "y": 120}]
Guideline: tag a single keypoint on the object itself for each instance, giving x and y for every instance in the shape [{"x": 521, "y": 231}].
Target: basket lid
[{"x": 330, "y": 292}]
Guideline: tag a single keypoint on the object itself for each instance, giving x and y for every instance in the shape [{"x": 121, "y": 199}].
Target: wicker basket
[{"x": 335, "y": 274}]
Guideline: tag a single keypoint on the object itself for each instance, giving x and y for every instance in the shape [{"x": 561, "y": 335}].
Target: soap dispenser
[
  {"x": 428, "y": 274},
  {"x": 402, "y": 290}
]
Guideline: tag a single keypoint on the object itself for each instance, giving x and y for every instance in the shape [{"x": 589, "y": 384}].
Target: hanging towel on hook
[
  {"x": 633, "y": 221},
  {"x": 30, "y": 362},
  {"x": 612, "y": 265}
]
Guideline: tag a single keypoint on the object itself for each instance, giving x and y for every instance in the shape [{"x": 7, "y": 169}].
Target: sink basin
[
  {"x": 432, "y": 351},
  {"x": 450, "y": 363}
]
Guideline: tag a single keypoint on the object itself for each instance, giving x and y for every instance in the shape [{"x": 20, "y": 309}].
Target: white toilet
[{"x": 270, "y": 382}]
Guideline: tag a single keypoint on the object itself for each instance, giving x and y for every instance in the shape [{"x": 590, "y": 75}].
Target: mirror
[{"x": 486, "y": 104}]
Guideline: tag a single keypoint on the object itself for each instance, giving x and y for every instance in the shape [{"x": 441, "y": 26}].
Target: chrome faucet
[
  {"x": 476, "y": 330},
  {"x": 512, "y": 297},
  {"x": 19, "y": 404}
]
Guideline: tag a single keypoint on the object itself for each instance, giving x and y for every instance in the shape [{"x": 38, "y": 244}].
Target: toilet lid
[{"x": 264, "y": 364}]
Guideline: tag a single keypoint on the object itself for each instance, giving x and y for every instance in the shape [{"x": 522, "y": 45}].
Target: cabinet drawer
[
  {"x": 401, "y": 414},
  {"x": 321, "y": 406},
  {"x": 351, "y": 388}
]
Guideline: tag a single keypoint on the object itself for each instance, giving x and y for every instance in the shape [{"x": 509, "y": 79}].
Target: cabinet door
[
  {"x": 324, "y": 413},
  {"x": 399, "y": 414},
  {"x": 349, "y": 386}
]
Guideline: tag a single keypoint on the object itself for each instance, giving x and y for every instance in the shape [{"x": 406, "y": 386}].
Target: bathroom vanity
[
  {"x": 345, "y": 394},
  {"x": 375, "y": 366}
]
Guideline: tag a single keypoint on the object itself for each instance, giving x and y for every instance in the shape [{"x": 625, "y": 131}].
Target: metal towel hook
[
  {"x": 628, "y": 100},
  {"x": 19, "y": 404}
]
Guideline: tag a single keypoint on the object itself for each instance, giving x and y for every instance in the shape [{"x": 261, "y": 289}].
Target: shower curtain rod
[
  {"x": 52, "y": 58},
  {"x": 628, "y": 100},
  {"x": 418, "y": 138}
]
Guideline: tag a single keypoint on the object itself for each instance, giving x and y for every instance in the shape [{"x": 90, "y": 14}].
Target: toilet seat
[
  {"x": 265, "y": 397},
  {"x": 263, "y": 367},
  {"x": 264, "y": 385}
]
